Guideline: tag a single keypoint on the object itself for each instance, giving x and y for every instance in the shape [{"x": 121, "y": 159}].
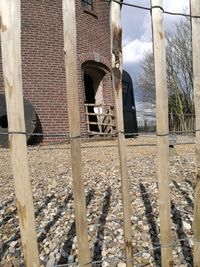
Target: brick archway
[
  {"x": 93, "y": 73},
  {"x": 95, "y": 57}
]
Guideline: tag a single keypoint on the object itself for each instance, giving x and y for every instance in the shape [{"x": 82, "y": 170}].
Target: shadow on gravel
[
  {"x": 48, "y": 226},
  {"x": 7, "y": 217},
  {"x": 98, "y": 246},
  {"x": 6, "y": 203},
  {"x": 153, "y": 232},
  {"x": 184, "y": 194},
  {"x": 42, "y": 207},
  {"x": 10, "y": 215},
  {"x": 17, "y": 234},
  {"x": 66, "y": 249},
  {"x": 190, "y": 183},
  {"x": 186, "y": 249}
]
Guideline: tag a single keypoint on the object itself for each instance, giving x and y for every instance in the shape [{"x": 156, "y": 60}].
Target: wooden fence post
[
  {"x": 117, "y": 86},
  {"x": 195, "y": 8},
  {"x": 69, "y": 22},
  {"x": 162, "y": 132},
  {"x": 10, "y": 26}
]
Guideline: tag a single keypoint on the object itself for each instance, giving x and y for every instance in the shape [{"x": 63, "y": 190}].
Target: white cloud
[
  {"x": 146, "y": 28},
  {"x": 137, "y": 33},
  {"x": 176, "y": 6},
  {"x": 134, "y": 51},
  {"x": 126, "y": 41}
]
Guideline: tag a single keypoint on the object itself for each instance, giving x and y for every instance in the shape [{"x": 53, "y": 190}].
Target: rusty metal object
[{"x": 30, "y": 120}]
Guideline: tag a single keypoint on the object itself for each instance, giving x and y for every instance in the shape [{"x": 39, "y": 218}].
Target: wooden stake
[
  {"x": 195, "y": 8},
  {"x": 69, "y": 22},
  {"x": 10, "y": 26},
  {"x": 117, "y": 86},
  {"x": 162, "y": 131}
]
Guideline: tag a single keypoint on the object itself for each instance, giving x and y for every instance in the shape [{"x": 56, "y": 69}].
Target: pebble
[
  {"x": 13, "y": 244},
  {"x": 186, "y": 225},
  {"x": 51, "y": 261},
  {"x": 146, "y": 255},
  {"x": 16, "y": 262},
  {"x": 105, "y": 264},
  {"x": 53, "y": 200},
  {"x": 121, "y": 264},
  {"x": 70, "y": 259}
]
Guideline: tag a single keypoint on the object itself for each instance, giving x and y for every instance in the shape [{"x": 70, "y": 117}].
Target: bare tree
[{"x": 179, "y": 73}]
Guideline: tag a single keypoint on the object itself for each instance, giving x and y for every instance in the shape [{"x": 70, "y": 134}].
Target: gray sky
[{"x": 137, "y": 38}]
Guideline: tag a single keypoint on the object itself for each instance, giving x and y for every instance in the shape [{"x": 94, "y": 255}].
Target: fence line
[
  {"x": 141, "y": 139},
  {"x": 150, "y": 9},
  {"x": 162, "y": 132},
  {"x": 84, "y": 135},
  {"x": 11, "y": 59},
  {"x": 116, "y": 46},
  {"x": 195, "y": 8},
  {"x": 70, "y": 49},
  {"x": 11, "y": 51}
]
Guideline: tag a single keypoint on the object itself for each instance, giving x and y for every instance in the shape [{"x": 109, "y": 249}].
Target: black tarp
[{"x": 129, "y": 109}]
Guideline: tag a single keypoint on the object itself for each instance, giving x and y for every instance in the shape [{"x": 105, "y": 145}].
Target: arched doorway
[{"x": 94, "y": 73}]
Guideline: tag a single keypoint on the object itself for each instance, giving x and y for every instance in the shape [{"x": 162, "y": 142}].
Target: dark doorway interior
[
  {"x": 90, "y": 99},
  {"x": 89, "y": 89},
  {"x": 4, "y": 122}
]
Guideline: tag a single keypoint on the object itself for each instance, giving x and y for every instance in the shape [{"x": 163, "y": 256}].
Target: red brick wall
[{"x": 43, "y": 70}]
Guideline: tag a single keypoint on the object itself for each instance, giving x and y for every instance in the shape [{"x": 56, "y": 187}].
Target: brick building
[{"x": 43, "y": 70}]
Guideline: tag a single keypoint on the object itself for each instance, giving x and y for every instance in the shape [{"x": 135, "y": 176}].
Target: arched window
[{"x": 87, "y": 4}]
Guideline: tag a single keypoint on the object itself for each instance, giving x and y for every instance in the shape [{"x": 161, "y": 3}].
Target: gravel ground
[{"x": 50, "y": 171}]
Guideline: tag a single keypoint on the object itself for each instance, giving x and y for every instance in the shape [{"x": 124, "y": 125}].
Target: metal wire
[
  {"x": 150, "y": 9},
  {"x": 184, "y": 138},
  {"x": 134, "y": 133}
]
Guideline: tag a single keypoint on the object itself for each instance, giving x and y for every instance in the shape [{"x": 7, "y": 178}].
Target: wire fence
[
  {"x": 140, "y": 140},
  {"x": 145, "y": 126},
  {"x": 24, "y": 200},
  {"x": 142, "y": 137},
  {"x": 150, "y": 9}
]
